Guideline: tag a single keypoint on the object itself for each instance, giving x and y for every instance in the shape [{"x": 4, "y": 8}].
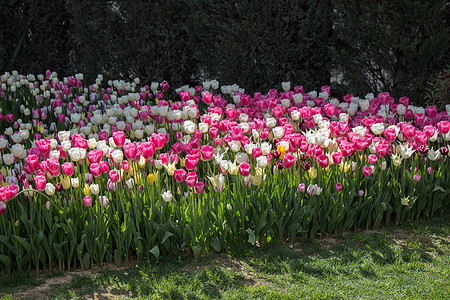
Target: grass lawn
[{"x": 410, "y": 261}]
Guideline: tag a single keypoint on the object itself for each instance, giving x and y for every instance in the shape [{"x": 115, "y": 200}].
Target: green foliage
[
  {"x": 376, "y": 46},
  {"x": 393, "y": 46},
  {"x": 438, "y": 91},
  {"x": 410, "y": 261}
]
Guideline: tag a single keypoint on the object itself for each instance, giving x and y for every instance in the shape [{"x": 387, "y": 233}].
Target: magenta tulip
[
  {"x": 244, "y": 169},
  {"x": 179, "y": 175},
  {"x": 199, "y": 187},
  {"x": 372, "y": 159},
  {"x": 191, "y": 179},
  {"x": 190, "y": 162},
  {"x": 301, "y": 187},
  {"x": 94, "y": 156},
  {"x": 289, "y": 160},
  {"x": 443, "y": 126},
  {"x": 40, "y": 181},
  {"x": 367, "y": 171},
  {"x": 119, "y": 138},
  {"x": 67, "y": 168},
  {"x": 87, "y": 201},
  {"x": 95, "y": 170},
  {"x": 114, "y": 176},
  {"x": 207, "y": 152},
  {"x": 130, "y": 150}
]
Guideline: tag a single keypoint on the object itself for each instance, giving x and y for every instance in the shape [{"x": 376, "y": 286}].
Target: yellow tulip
[
  {"x": 152, "y": 178},
  {"x": 345, "y": 166},
  {"x": 131, "y": 170},
  {"x": 312, "y": 173},
  {"x": 65, "y": 181},
  {"x": 87, "y": 190},
  {"x": 256, "y": 180},
  {"x": 141, "y": 162}
]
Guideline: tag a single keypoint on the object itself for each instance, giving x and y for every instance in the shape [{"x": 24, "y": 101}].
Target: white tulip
[
  {"x": 49, "y": 189},
  {"x": 377, "y": 128},
  {"x": 75, "y": 182},
  {"x": 117, "y": 155},
  {"x": 286, "y": 86},
  {"x": 167, "y": 196},
  {"x": 8, "y": 159}
]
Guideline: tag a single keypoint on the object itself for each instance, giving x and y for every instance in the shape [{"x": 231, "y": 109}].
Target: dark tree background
[{"x": 372, "y": 46}]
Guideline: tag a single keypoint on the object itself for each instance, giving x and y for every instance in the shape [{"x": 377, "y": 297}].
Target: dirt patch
[{"x": 41, "y": 291}]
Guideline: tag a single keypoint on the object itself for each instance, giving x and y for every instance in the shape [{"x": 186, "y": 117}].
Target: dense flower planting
[{"x": 101, "y": 172}]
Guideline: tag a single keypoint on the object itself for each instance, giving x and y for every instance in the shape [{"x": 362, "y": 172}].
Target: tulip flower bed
[{"x": 93, "y": 174}]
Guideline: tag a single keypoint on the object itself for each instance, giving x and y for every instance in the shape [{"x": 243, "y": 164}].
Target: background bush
[{"x": 369, "y": 45}]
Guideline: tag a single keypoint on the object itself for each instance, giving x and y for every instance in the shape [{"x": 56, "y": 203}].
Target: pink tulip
[
  {"x": 207, "y": 98},
  {"x": 429, "y": 130},
  {"x": 191, "y": 179},
  {"x": 336, "y": 157},
  {"x": 159, "y": 140},
  {"x": 104, "y": 167},
  {"x": 199, "y": 187},
  {"x": 367, "y": 171},
  {"x": 244, "y": 169},
  {"x": 103, "y": 136},
  {"x": 329, "y": 109},
  {"x": 419, "y": 118},
  {"x": 33, "y": 161},
  {"x": 431, "y": 111},
  {"x": 179, "y": 175},
  {"x": 9, "y": 118},
  {"x": 195, "y": 143},
  {"x": 95, "y": 170},
  {"x": 338, "y": 187},
  {"x": 147, "y": 149},
  {"x": 79, "y": 142},
  {"x": 404, "y": 101},
  {"x": 213, "y": 132},
  {"x": 40, "y": 181},
  {"x": 390, "y": 134},
  {"x": 347, "y": 148},
  {"x": 372, "y": 159},
  {"x": 381, "y": 149},
  {"x": 361, "y": 193},
  {"x": 43, "y": 145},
  {"x": 114, "y": 176},
  {"x": 130, "y": 150},
  {"x": 417, "y": 177},
  {"x": 256, "y": 152},
  {"x": 408, "y": 131},
  {"x": 94, "y": 156},
  {"x": 301, "y": 187},
  {"x": 207, "y": 152},
  {"x": 164, "y": 85},
  {"x": 67, "y": 168},
  {"x": 119, "y": 138},
  {"x": 87, "y": 201},
  {"x": 322, "y": 160},
  {"x": 191, "y": 162},
  {"x": 443, "y": 126}
]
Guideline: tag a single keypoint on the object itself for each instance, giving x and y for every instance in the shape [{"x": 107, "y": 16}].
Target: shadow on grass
[{"x": 367, "y": 255}]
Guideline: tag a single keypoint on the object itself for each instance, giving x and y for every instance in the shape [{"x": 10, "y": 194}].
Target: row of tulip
[{"x": 92, "y": 174}]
